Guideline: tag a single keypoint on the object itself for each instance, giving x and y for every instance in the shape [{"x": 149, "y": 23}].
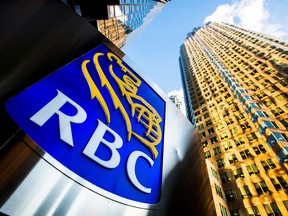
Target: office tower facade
[
  {"x": 117, "y": 19},
  {"x": 235, "y": 85}
]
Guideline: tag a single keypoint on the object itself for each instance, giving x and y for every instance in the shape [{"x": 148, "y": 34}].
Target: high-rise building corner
[
  {"x": 235, "y": 84},
  {"x": 118, "y": 20}
]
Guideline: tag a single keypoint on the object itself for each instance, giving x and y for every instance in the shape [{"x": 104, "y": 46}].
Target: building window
[
  {"x": 253, "y": 211},
  {"x": 209, "y": 122},
  {"x": 198, "y": 119},
  {"x": 262, "y": 114},
  {"x": 268, "y": 164},
  {"x": 214, "y": 173},
  {"x": 225, "y": 113},
  {"x": 216, "y": 118},
  {"x": 225, "y": 177},
  {"x": 279, "y": 183},
  {"x": 261, "y": 187},
  {"x": 277, "y": 111},
  {"x": 227, "y": 96},
  {"x": 211, "y": 130},
  {"x": 245, "y": 154},
  {"x": 271, "y": 124},
  {"x": 217, "y": 150},
  {"x": 245, "y": 126},
  {"x": 280, "y": 136},
  {"x": 259, "y": 77},
  {"x": 230, "y": 103},
  {"x": 207, "y": 154},
  {"x": 230, "y": 195},
  {"x": 285, "y": 122},
  {"x": 223, "y": 135},
  {"x": 221, "y": 126},
  {"x": 206, "y": 115},
  {"x": 245, "y": 192},
  {"x": 261, "y": 95},
  {"x": 281, "y": 96},
  {"x": 195, "y": 106},
  {"x": 219, "y": 100},
  {"x": 196, "y": 113},
  {"x": 254, "y": 88},
  {"x": 250, "y": 106},
  {"x": 220, "y": 163},
  {"x": 240, "y": 116},
  {"x": 218, "y": 190},
  {"x": 204, "y": 109},
  {"x": 250, "y": 82},
  {"x": 213, "y": 140},
  {"x": 251, "y": 137},
  {"x": 272, "y": 89},
  {"x": 238, "y": 173},
  {"x": 285, "y": 202},
  {"x": 235, "y": 108},
  {"x": 205, "y": 143},
  {"x": 266, "y": 82},
  {"x": 229, "y": 121},
  {"x": 199, "y": 127},
  {"x": 223, "y": 210},
  {"x": 272, "y": 209},
  {"x": 239, "y": 141},
  {"x": 268, "y": 102},
  {"x": 259, "y": 149},
  {"x": 214, "y": 111},
  {"x": 235, "y": 212},
  {"x": 232, "y": 159},
  {"x": 227, "y": 146},
  {"x": 284, "y": 83},
  {"x": 234, "y": 131},
  {"x": 252, "y": 169},
  {"x": 202, "y": 134}
]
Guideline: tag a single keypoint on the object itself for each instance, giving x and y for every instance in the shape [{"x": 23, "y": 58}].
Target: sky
[{"x": 155, "y": 49}]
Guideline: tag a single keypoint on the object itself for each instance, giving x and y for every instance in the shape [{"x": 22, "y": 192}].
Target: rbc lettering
[{"x": 97, "y": 138}]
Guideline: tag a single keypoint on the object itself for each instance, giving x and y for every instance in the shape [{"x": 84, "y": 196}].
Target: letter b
[{"x": 96, "y": 139}]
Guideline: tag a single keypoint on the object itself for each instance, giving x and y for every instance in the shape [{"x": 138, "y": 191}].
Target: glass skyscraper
[
  {"x": 117, "y": 19},
  {"x": 235, "y": 85}
]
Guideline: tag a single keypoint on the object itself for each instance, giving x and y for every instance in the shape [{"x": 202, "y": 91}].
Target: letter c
[{"x": 131, "y": 163}]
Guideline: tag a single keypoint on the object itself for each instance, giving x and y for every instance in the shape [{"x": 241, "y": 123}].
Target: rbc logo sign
[{"x": 102, "y": 121}]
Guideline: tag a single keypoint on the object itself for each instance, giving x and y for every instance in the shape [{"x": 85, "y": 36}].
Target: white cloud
[
  {"x": 258, "y": 15},
  {"x": 179, "y": 93},
  {"x": 223, "y": 13}
]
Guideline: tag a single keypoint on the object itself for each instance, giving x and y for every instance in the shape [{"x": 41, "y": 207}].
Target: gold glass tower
[
  {"x": 118, "y": 20},
  {"x": 235, "y": 87}
]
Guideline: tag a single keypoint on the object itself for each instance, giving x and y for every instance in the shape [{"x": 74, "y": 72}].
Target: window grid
[
  {"x": 279, "y": 183},
  {"x": 245, "y": 192},
  {"x": 261, "y": 187},
  {"x": 218, "y": 190},
  {"x": 268, "y": 164},
  {"x": 252, "y": 169},
  {"x": 272, "y": 209}
]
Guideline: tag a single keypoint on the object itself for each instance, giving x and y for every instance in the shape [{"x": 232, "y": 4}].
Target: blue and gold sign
[{"x": 100, "y": 120}]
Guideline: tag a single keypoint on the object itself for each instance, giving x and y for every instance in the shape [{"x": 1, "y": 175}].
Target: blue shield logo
[{"x": 102, "y": 121}]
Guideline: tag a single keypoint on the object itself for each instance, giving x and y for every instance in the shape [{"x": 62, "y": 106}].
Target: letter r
[{"x": 53, "y": 107}]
